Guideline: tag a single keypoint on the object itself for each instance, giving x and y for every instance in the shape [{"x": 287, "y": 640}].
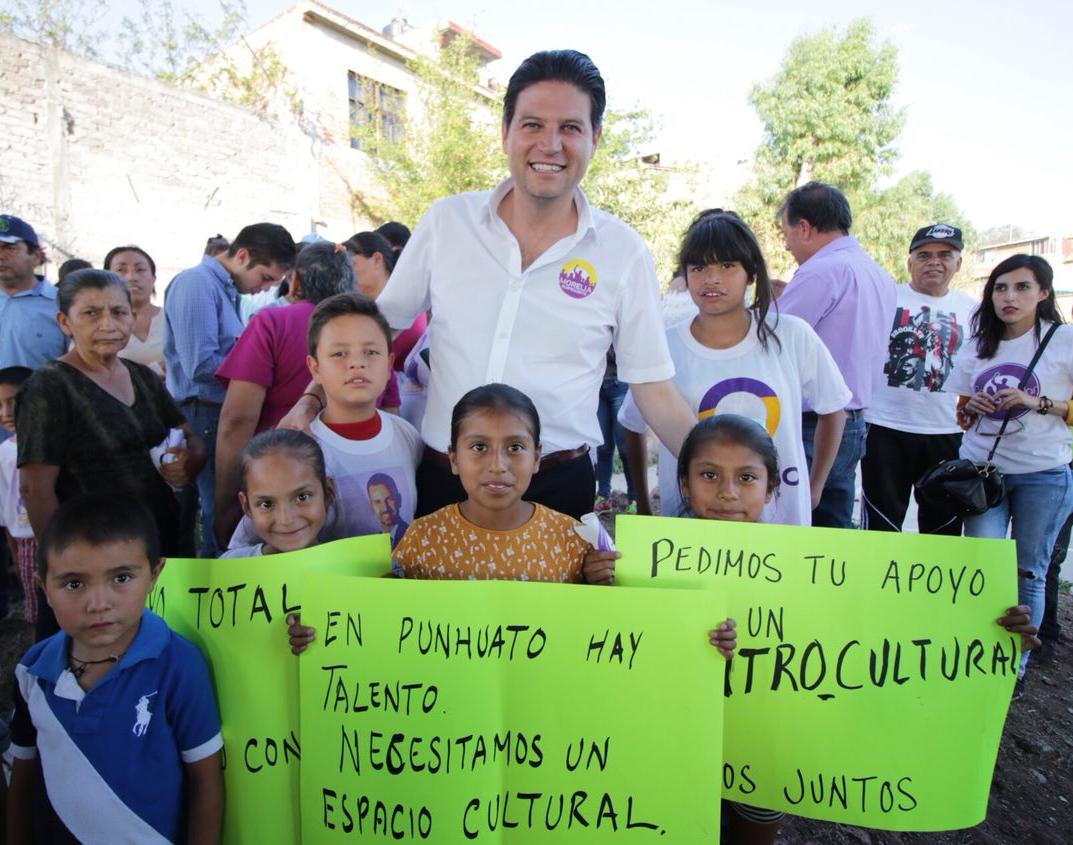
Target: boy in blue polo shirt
[{"x": 116, "y": 736}]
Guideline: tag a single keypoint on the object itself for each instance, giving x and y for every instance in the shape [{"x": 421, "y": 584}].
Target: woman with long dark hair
[{"x": 1017, "y": 310}]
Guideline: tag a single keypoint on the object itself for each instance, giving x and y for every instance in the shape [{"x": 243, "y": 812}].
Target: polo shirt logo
[
  {"x": 577, "y": 278},
  {"x": 142, "y": 714}
]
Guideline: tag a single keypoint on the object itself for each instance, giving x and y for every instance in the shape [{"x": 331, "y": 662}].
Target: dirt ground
[{"x": 1032, "y": 791}]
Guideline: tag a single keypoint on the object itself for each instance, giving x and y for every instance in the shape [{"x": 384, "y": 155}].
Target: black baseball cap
[
  {"x": 938, "y": 233},
  {"x": 13, "y": 230}
]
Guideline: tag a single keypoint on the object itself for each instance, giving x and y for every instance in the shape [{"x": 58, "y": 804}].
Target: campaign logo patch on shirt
[
  {"x": 577, "y": 278},
  {"x": 747, "y": 397},
  {"x": 997, "y": 378}
]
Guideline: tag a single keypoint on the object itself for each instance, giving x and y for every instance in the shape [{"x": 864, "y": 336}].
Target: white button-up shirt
[{"x": 544, "y": 330}]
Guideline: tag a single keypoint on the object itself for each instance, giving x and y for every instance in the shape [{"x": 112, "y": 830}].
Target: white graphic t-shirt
[
  {"x": 1032, "y": 441},
  {"x": 765, "y": 385},
  {"x": 375, "y": 488},
  {"x": 926, "y": 339}
]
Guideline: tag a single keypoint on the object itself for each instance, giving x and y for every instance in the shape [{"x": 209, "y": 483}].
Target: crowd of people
[{"x": 462, "y": 390}]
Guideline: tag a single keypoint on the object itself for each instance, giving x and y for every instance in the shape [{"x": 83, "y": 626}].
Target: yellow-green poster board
[
  {"x": 235, "y": 612},
  {"x": 508, "y": 712},
  {"x": 871, "y": 681}
]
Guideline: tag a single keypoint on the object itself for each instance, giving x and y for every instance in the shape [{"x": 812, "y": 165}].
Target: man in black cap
[
  {"x": 29, "y": 333},
  {"x": 912, "y": 425}
]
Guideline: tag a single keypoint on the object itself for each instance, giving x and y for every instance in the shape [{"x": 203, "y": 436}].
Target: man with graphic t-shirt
[{"x": 912, "y": 424}]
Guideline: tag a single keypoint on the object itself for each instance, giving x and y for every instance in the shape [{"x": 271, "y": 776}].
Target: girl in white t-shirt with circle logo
[{"x": 737, "y": 358}]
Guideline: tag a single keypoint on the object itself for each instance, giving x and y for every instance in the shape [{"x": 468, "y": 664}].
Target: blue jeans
[
  {"x": 612, "y": 393},
  {"x": 1034, "y": 508},
  {"x": 205, "y": 420},
  {"x": 836, "y": 504}
]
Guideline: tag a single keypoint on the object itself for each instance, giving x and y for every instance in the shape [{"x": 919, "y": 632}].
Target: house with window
[
  {"x": 1057, "y": 250},
  {"x": 342, "y": 74}
]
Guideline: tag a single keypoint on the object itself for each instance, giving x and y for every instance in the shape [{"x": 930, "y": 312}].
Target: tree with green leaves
[
  {"x": 166, "y": 41},
  {"x": 74, "y": 25},
  {"x": 828, "y": 116},
  {"x": 450, "y": 143},
  {"x": 448, "y": 140}
]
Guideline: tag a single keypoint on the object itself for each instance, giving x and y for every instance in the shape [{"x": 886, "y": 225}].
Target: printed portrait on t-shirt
[
  {"x": 922, "y": 348},
  {"x": 387, "y": 502},
  {"x": 377, "y": 502}
]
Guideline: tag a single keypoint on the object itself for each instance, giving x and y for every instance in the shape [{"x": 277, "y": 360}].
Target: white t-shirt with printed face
[
  {"x": 375, "y": 488},
  {"x": 765, "y": 385},
  {"x": 544, "y": 329},
  {"x": 1032, "y": 442},
  {"x": 928, "y": 335}
]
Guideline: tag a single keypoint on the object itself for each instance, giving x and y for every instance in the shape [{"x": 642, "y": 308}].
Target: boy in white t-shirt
[
  {"x": 912, "y": 423},
  {"x": 13, "y": 516},
  {"x": 370, "y": 456}
]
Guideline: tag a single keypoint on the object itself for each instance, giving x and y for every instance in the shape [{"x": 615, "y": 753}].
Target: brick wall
[{"x": 94, "y": 157}]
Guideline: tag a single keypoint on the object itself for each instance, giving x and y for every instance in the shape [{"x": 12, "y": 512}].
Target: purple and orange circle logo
[
  {"x": 748, "y": 397},
  {"x": 997, "y": 378},
  {"x": 577, "y": 278}
]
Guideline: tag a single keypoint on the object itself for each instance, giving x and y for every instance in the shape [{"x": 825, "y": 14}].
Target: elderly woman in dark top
[{"x": 88, "y": 420}]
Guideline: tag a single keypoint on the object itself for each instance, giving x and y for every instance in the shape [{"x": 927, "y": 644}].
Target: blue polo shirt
[
  {"x": 201, "y": 322},
  {"x": 29, "y": 334},
  {"x": 112, "y": 758}
]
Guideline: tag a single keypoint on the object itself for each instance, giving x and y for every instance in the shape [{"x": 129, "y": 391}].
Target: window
[{"x": 373, "y": 101}]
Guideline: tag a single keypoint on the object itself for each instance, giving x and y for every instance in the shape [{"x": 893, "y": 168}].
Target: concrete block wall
[{"x": 93, "y": 157}]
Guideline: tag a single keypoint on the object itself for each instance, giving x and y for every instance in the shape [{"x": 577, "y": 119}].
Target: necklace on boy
[{"x": 79, "y": 670}]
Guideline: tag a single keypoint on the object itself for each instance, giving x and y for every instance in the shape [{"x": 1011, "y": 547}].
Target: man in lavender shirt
[{"x": 849, "y": 300}]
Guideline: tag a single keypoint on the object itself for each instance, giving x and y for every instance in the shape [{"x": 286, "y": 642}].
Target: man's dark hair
[
  {"x": 823, "y": 206},
  {"x": 384, "y": 480},
  {"x": 70, "y": 265},
  {"x": 344, "y": 305},
  {"x": 112, "y": 253},
  {"x": 267, "y": 244},
  {"x": 15, "y": 375},
  {"x": 568, "y": 66},
  {"x": 395, "y": 233},
  {"x": 98, "y": 518}
]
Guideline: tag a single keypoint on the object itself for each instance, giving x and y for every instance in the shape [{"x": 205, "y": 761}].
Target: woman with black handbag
[{"x": 1019, "y": 385}]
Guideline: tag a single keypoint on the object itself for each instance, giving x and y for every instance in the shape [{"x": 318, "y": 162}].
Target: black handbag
[{"x": 963, "y": 487}]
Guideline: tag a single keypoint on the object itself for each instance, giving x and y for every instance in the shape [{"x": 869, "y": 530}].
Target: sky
[{"x": 987, "y": 87}]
